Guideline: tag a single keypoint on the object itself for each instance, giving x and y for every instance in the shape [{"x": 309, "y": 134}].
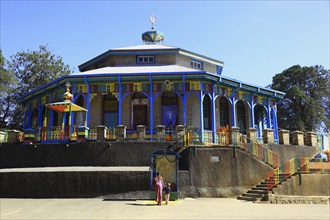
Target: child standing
[{"x": 167, "y": 190}]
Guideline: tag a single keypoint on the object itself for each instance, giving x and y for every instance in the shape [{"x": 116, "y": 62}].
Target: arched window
[
  {"x": 224, "y": 112},
  {"x": 140, "y": 109},
  {"x": 260, "y": 119},
  {"x": 169, "y": 109},
  {"x": 241, "y": 120},
  {"x": 207, "y": 112},
  {"x": 110, "y": 111}
]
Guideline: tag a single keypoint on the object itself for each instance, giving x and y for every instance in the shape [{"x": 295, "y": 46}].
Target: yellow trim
[
  {"x": 137, "y": 87},
  {"x": 29, "y": 135},
  {"x": 110, "y": 87},
  {"x": 195, "y": 85},
  {"x": 82, "y": 88}
]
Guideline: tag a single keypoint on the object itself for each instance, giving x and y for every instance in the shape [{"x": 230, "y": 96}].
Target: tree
[
  {"x": 305, "y": 106},
  {"x": 36, "y": 68},
  {"x": 7, "y": 78},
  {"x": 7, "y": 83},
  {"x": 33, "y": 69}
]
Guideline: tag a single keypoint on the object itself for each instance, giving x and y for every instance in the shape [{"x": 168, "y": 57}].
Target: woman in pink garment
[{"x": 159, "y": 188}]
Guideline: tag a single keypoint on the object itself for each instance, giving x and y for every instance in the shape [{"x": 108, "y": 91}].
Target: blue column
[
  {"x": 214, "y": 129},
  {"x": 87, "y": 101},
  {"x": 201, "y": 115},
  {"x": 268, "y": 114},
  {"x": 72, "y": 113},
  {"x": 40, "y": 119},
  {"x": 24, "y": 122},
  {"x": 275, "y": 125},
  {"x": 233, "y": 112},
  {"x": 252, "y": 123},
  {"x": 120, "y": 101},
  {"x": 184, "y": 99},
  {"x": 151, "y": 114},
  {"x": 64, "y": 120}
]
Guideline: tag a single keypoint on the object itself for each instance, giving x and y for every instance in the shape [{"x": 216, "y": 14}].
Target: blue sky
[{"x": 255, "y": 39}]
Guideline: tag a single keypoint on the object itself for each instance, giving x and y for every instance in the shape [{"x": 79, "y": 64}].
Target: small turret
[{"x": 153, "y": 36}]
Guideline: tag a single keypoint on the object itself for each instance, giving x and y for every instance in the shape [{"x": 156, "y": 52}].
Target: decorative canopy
[{"x": 65, "y": 107}]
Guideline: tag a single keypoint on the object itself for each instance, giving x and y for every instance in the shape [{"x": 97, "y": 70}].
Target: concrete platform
[{"x": 75, "y": 169}]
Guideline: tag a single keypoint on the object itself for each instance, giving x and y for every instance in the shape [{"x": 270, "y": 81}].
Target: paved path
[{"x": 201, "y": 208}]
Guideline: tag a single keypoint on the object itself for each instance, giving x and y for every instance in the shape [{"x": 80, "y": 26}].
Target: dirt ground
[{"x": 187, "y": 208}]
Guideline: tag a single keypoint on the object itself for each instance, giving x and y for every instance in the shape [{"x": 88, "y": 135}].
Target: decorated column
[
  {"x": 268, "y": 136},
  {"x": 180, "y": 131},
  {"x": 311, "y": 138},
  {"x": 284, "y": 137},
  {"x": 141, "y": 132},
  {"x": 121, "y": 132},
  {"x": 160, "y": 132},
  {"x": 101, "y": 133},
  {"x": 298, "y": 138},
  {"x": 252, "y": 134}
]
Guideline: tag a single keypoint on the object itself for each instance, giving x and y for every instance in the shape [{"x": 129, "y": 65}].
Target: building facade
[{"x": 151, "y": 84}]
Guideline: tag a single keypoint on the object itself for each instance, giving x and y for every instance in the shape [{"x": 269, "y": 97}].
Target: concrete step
[
  {"x": 247, "y": 198},
  {"x": 258, "y": 191},
  {"x": 253, "y": 195},
  {"x": 259, "y": 188}
]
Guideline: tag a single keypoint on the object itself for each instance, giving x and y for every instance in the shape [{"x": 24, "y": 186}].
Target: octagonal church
[{"x": 148, "y": 85}]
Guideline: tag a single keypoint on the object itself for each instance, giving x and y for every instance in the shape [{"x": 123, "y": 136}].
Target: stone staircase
[
  {"x": 260, "y": 192},
  {"x": 256, "y": 194}
]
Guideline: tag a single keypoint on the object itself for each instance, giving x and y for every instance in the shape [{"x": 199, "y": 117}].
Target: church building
[{"x": 150, "y": 84}]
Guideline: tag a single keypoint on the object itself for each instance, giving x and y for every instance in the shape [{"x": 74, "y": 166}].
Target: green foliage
[
  {"x": 305, "y": 106},
  {"x": 31, "y": 69},
  {"x": 36, "y": 68},
  {"x": 6, "y": 77},
  {"x": 7, "y": 86}
]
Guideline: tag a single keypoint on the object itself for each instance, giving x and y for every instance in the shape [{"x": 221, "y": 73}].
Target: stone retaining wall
[
  {"x": 118, "y": 153},
  {"x": 285, "y": 199}
]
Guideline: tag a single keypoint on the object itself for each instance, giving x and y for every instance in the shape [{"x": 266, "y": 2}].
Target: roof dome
[{"x": 153, "y": 36}]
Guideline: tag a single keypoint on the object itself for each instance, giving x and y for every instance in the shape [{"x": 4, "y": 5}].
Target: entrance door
[
  {"x": 140, "y": 115},
  {"x": 111, "y": 119},
  {"x": 169, "y": 115}
]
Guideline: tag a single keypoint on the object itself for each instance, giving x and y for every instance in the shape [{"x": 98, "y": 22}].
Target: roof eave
[{"x": 124, "y": 51}]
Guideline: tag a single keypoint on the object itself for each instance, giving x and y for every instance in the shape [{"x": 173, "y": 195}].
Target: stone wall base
[{"x": 285, "y": 199}]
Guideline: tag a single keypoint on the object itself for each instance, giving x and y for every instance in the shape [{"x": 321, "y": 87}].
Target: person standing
[
  {"x": 167, "y": 190},
  {"x": 159, "y": 188}
]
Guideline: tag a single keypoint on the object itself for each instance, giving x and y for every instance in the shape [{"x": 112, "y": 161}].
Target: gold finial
[
  {"x": 68, "y": 85},
  {"x": 67, "y": 96}
]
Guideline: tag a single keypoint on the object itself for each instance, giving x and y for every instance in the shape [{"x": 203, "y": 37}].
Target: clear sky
[{"x": 255, "y": 39}]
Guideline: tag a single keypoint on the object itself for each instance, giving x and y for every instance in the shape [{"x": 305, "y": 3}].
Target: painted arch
[
  {"x": 260, "y": 118},
  {"x": 241, "y": 116}
]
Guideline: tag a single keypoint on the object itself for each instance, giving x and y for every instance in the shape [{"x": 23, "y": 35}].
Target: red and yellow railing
[
  {"x": 289, "y": 168},
  {"x": 258, "y": 150}
]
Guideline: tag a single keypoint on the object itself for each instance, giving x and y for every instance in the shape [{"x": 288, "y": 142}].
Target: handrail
[
  {"x": 289, "y": 168},
  {"x": 186, "y": 139},
  {"x": 256, "y": 149}
]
